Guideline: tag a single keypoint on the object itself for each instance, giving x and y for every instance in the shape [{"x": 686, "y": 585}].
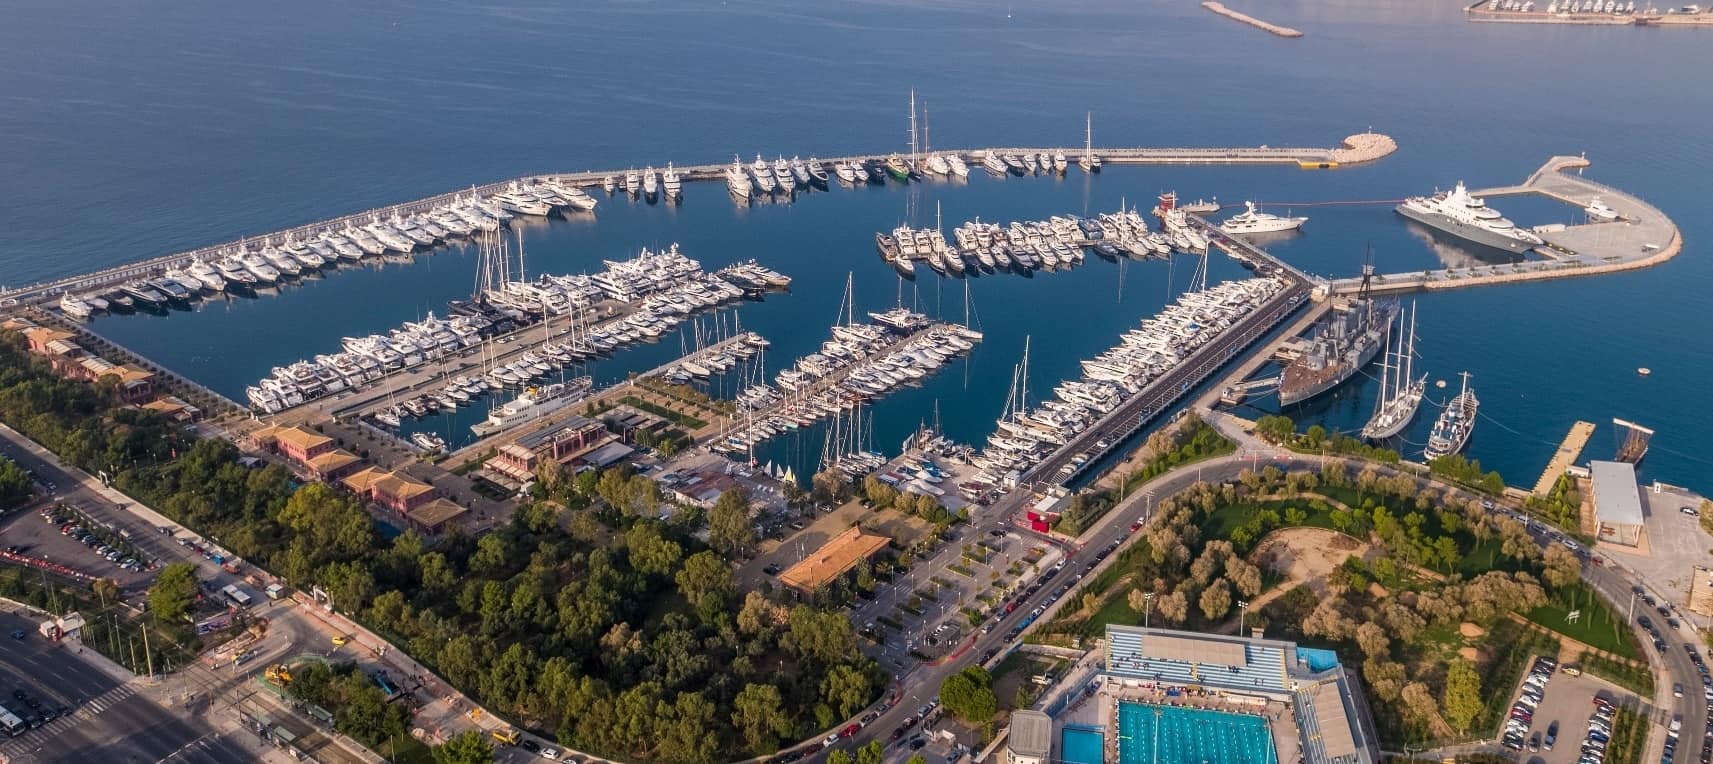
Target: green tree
[
  {"x": 173, "y": 592},
  {"x": 916, "y": 758},
  {"x": 1216, "y": 600},
  {"x": 845, "y": 689},
  {"x": 467, "y": 747},
  {"x": 839, "y": 756},
  {"x": 15, "y": 484},
  {"x": 1462, "y": 701},
  {"x": 873, "y": 753},
  {"x": 730, "y": 531},
  {"x": 706, "y": 582},
  {"x": 968, "y": 694},
  {"x": 759, "y": 715}
]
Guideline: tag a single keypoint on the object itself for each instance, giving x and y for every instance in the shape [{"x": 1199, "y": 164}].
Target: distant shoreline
[{"x": 1219, "y": 8}]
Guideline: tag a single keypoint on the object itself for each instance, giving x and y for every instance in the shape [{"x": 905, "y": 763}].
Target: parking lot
[
  {"x": 79, "y": 541},
  {"x": 1557, "y": 717}
]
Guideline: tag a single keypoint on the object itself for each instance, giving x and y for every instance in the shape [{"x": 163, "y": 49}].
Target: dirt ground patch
[{"x": 1306, "y": 555}]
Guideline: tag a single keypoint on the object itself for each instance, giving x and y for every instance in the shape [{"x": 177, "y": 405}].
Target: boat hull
[{"x": 1465, "y": 231}]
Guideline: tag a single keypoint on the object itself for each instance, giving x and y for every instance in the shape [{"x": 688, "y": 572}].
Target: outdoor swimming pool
[
  {"x": 1149, "y": 734},
  {"x": 1081, "y": 745}
]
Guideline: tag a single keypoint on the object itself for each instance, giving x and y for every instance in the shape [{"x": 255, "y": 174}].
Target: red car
[
  {"x": 849, "y": 731},
  {"x": 1136, "y": 526}
]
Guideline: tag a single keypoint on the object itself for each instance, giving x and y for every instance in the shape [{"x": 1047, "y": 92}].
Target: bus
[
  {"x": 236, "y": 596},
  {"x": 14, "y": 726}
]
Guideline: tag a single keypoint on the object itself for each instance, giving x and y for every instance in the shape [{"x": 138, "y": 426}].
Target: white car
[{"x": 551, "y": 754}]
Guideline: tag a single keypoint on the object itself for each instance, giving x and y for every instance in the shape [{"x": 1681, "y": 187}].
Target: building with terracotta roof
[
  {"x": 174, "y": 408},
  {"x": 834, "y": 559},
  {"x": 295, "y": 443},
  {"x": 435, "y": 516},
  {"x": 566, "y": 444}
]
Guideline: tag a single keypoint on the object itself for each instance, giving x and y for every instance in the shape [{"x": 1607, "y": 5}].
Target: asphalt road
[{"x": 110, "y": 722}]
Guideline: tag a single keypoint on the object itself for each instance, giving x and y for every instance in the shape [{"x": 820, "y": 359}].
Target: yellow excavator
[{"x": 278, "y": 674}]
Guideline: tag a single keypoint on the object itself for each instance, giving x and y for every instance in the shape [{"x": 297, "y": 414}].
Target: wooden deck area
[{"x": 1565, "y": 458}]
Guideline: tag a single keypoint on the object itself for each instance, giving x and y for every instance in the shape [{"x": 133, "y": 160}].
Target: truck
[
  {"x": 274, "y": 591},
  {"x": 504, "y": 735}
]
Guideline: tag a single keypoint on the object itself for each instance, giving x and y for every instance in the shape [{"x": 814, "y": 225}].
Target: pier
[
  {"x": 1220, "y": 9},
  {"x": 1363, "y": 147},
  {"x": 741, "y": 420},
  {"x": 1139, "y": 410},
  {"x": 1550, "y": 12},
  {"x": 1565, "y": 457},
  {"x": 1641, "y": 237}
]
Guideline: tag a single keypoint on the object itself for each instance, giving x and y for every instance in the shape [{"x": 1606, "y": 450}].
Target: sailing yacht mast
[{"x": 912, "y": 128}]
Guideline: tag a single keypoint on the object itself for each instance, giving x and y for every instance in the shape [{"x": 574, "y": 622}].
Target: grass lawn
[{"x": 1597, "y": 625}]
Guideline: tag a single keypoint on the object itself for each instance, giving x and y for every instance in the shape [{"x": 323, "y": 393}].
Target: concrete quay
[
  {"x": 1363, "y": 147},
  {"x": 1641, "y": 237},
  {"x": 1565, "y": 456},
  {"x": 1219, "y": 8}
]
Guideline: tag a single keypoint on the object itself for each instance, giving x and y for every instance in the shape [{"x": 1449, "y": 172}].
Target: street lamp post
[
  {"x": 1147, "y": 607},
  {"x": 1242, "y": 615}
]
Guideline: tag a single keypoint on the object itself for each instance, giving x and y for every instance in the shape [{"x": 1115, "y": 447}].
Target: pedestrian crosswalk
[{"x": 34, "y": 739}]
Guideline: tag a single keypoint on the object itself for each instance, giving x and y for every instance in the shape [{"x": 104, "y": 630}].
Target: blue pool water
[
  {"x": 1081, "y": 745},
  {"x": 1149, "y": 734}
]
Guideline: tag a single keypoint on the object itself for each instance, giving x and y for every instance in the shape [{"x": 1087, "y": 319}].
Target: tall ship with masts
[
  {"x": 1455, "y": 424},
  {"x": 1344, "y": 342},
  {"x": 1400, "y": 390}
]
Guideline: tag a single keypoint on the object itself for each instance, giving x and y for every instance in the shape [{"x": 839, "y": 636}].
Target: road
[
  {"x": 111, "y": 721},
  {"x": 922, "y": 682}
]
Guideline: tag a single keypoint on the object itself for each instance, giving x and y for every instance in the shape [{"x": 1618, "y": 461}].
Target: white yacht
[
  {"x": 254, "y": 263},
  {"x": 673, "y": 185},
  {"x": 650, "y": 182},
  {"x": 72, "y": 306},
  {"x": 737, "y": 181},
  {"x": 1465, "y": 216},
  {"x": 847, "y": 173},
  {"x": 1252, "y": 220},
  {"x": 633, "y": 183},
  {"x": 234, "y": 272},
  {"x": 1599, "y": 211},
  {"x": 956, "y": 165},
  {"x": 937, "y": 165},
  {"x": 782, "y": 175},
  {"x": 763, "y": 175}
]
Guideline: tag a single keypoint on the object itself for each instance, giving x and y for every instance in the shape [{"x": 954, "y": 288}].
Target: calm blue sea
[{"x": 130, "y": 130}]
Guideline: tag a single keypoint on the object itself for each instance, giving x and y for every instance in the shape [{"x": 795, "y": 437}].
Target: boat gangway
[{"x": 1363, "y": 147}]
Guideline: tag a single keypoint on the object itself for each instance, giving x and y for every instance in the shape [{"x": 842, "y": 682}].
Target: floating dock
[
  {"x": 1220, "y": 9},
  {"x": 1363, "y": 147},
  {"x": 1565, "y": 457},
  {"x": 1641, "y": 237}
]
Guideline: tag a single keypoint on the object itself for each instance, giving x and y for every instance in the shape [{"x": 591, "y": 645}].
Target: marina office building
[{"x": 1617, "y": 503}]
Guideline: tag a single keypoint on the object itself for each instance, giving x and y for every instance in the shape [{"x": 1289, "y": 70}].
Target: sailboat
[
  {"x": 1088, "y": 161},
  {"x": 1400, "y": 391}
]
